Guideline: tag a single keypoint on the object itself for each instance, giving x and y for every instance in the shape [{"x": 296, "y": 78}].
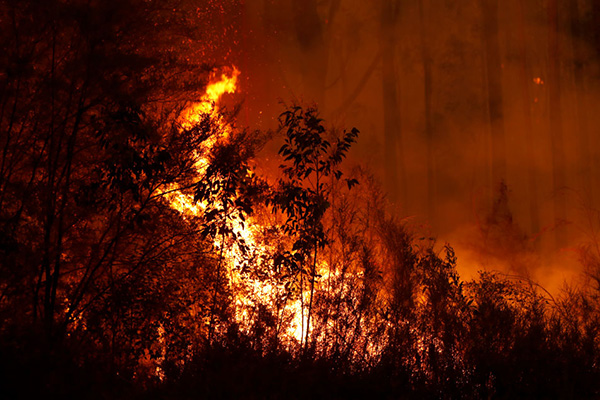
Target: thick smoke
[{"x": 479, "y": 117}]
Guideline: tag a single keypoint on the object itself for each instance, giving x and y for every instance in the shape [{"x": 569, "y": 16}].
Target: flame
[
  {"x": 538, "y": 81},
  {"x": 207, "y": 106},
  {"x": 226, "y": 83},
  {"x": 247, "y": 291}
]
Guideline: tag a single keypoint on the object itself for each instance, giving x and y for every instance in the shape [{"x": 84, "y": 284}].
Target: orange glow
[
  {"x": 225, "y": 83},
  {"x": 207, "y": 106},
  {"x": 248, "y": 291},
  {"x": 538, "y": 81},
  {"x": 217, "y": 87}
]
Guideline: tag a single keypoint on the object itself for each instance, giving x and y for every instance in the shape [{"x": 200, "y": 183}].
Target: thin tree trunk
[
  {"x": 495, "y": 94},
  {"x": 216, "y": 289},
  {"x": 313, "y": 271},
  {"x": 524, "y": 82},
  {"x": 312, "y": 291},
  {"x": 51, "y": 197},
  {"x": 596, "y": 24},
  {"x": 580, "y": 92},
  {"x": 302, "y": 310},
  {"x": 428, "y": 89},
  {"x": 395, "y": 176},
  {"x": 314, "y": 45},
  {"x": 556, "y": 131}
]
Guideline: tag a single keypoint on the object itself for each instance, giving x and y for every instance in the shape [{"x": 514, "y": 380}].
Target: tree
[
  {"x": 556, "y": 130},
  {"x": 524, "y": 84},
  {"x": 494, "y": 89},
  {"x": 444, "y": 319},
  {"x": 428, "y": 89},
  {"x": 580, "y": 61},
  {"x": 393, "y": 152},
  {"x": 86, "y": 151},
  {"x": 309, "y": 161},
  {"x": 228, "y": 190}
]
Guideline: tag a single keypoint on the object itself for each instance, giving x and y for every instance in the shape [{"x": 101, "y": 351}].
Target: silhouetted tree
[
  {"x": 310, "y": 161},
  {"x": 227, "y": 189},
  {"x": 87, "y": 151}
]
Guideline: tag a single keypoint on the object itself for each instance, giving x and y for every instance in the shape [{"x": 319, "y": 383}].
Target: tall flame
[
  {"x": 246, "y": 290},
  {"x": 226, "y": 83},
  {"x": 217, "y": 87},
  {"x": 207, "y": 106}
]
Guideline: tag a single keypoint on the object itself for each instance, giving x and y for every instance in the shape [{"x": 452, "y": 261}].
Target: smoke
[{"x": 446, "y": 147}]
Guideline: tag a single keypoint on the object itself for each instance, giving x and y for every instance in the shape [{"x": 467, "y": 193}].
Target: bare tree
[{"x": 579, "y": 74}]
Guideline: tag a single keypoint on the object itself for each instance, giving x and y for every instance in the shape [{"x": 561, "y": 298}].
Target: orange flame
[
  {"x": 227, "y": 83},
  {"x": 246, "y": 290}
]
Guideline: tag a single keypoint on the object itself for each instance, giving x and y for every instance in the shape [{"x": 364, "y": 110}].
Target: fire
[
  {"x": 247, "y": 291},
  {"x": 538, "y": 81},
  {"x": 226, "y": 83},
  {"x": 207, "y": 106}
]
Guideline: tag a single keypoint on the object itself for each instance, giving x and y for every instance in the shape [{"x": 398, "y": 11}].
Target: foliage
[
  {"x": 309, "y": 161},
  {"x": 310, "y": 168},
  {"x": 107, "y": 291},
  {"x": 88, "y": 144}
]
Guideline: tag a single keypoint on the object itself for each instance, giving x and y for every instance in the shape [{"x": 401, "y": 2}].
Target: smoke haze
[{"x": 478, "y": 117}]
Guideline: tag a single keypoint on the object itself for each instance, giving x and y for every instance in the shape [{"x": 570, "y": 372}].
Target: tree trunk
[
  {"x": 556, "y": 131},
  {"x": 524, "y": 83},
  {"x": 395, "y": 178},
  {"x": 493, "y": 66},
  {"x": 314, "y": 45},
  {"x": 596, "y": 24},
  {"x": 427, "y": 86},
  {"x": 580, "y": 94}
]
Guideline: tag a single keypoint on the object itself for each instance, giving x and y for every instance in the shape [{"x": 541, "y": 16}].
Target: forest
[{"x": 163, "y": 236}]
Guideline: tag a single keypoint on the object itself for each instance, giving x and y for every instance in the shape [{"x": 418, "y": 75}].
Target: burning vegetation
[{"x": 146, "y": 250}]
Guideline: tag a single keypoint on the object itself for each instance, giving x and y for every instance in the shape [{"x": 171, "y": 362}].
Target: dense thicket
[{"x": 107, "y": 291}]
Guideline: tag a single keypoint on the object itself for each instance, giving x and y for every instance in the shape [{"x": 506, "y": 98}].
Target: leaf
[{"x": 351, "y": 183}]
